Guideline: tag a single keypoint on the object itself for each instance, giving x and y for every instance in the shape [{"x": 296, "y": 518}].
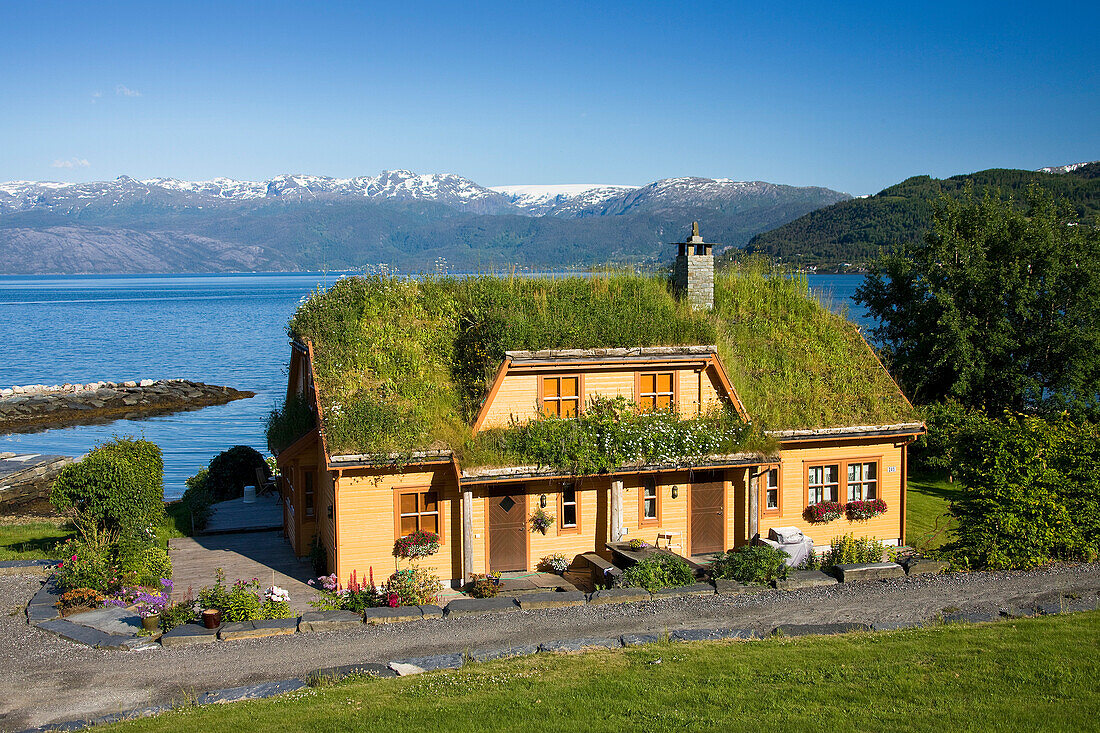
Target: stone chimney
[{"x": 693, "y": 276}]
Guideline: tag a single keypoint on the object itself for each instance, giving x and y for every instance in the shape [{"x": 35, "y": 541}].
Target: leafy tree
[
  {"x": 996, "y": 308},
  {"x": 231, "y": 470}
]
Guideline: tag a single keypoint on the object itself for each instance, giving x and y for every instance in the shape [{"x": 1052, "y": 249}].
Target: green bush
[
  {"x": 146, "y": 459},
  {"x": 657, "y": 572},
  {"x": 275, "y": 609},
  {"x": 850, "y": 549},
  {"x": 178, "y": 614},
  {"x": 414, "y": 586},
  {"x": 484, "y": 586},
  {"x": 141, "y": 562},
  {"x": 84, "y": 565},
  {"x": 1032, "y": 492},
  {"x": 198, "y": 501},
  {"x": 230, "y": 471},
  {"x": 107, "y": 492},
  {"x": 946, "y": 421},
  {"x": 751, "y": 564}
]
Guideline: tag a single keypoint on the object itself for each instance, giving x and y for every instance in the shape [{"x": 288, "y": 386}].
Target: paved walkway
[
  {"x": 244, "y": 555},
  {"x": 237, "y": 516}
]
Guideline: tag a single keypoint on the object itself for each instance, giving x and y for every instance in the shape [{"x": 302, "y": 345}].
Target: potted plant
[
  {"x": 541, "y": 520},
  {"x": 211, "y": 618},
  {"x": 824, "y": 511}
]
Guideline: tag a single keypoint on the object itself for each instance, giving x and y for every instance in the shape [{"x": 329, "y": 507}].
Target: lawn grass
[
  {"x": 1022, "y": 675},
  {"x": 926, "y": 503},
  {"x": 31, "y": 540}
]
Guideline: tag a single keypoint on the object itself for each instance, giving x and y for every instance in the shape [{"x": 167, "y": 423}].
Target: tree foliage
[
  {"x": 231, "y": 470},
  {"x": 1032, "y": 492},
  {"x": 996, "y": 308}
]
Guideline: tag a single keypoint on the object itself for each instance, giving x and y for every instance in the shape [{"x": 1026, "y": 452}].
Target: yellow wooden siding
[
  {"x": 518, "y": 394},
  {"x": 367, "y": 529},
  {"x": 792, "y": 501}
]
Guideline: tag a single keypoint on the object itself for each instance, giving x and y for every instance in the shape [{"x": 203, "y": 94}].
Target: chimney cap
[{"x": 694, "y": 238}]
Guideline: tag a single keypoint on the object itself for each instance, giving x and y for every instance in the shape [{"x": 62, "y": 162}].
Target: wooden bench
[{"x": 601, "y": 570}]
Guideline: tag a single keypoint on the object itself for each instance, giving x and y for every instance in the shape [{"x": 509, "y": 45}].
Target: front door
[
  {"x": 708, "y": 499},
  {"x": 508, "y": 532}
]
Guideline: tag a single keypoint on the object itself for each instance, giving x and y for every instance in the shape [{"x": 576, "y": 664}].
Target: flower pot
[
  {"x": 151, "y": 623},
  {"x": 211, "y": 618}
]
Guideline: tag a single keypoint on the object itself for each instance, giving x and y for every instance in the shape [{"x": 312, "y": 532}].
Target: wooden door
[
  {"x": 507, "y": 532},
  {"x": 708, "y": 521}
]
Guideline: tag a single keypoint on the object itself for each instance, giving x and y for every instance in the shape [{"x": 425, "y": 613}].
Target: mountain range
[
  {"x": 857, "y": 230},
  {"x": 403, "y": 219}
]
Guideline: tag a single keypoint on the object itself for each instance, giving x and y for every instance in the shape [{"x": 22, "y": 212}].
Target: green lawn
[
  {"x": 31, "y": 541},
  {"x": 1024, "y": 675},
  {"x": 927, "y": 498}
]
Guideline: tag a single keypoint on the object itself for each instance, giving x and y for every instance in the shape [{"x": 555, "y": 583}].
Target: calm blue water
[{"x": 220, "y": 329}]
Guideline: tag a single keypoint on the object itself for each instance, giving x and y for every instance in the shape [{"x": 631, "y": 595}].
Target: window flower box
[
  {"x": 865, "y": 509},
  {"x": 822, "y": 512},
  {"x": 416, "y": 545}
]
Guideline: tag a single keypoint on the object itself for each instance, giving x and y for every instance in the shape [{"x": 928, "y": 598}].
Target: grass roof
[{"x": 402, "y": 364}]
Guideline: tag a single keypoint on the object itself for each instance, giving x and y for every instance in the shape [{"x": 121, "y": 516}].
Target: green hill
[{"x": 855, "y": 231}]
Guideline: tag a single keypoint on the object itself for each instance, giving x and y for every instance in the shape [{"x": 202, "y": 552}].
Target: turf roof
[{"x": 402, "y": 364}]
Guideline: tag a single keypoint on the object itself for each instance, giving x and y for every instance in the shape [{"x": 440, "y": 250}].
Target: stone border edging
[{"x": 456, "y": 660}]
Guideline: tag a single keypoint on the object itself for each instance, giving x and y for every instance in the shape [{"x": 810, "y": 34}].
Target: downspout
[{"x": 904, "y": 484}]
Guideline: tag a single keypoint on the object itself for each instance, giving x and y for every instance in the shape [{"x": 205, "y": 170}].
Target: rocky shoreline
[{"x": 31, "y": 408}]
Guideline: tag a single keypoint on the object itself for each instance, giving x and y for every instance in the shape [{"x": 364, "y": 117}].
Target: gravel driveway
[{"x": 44, "y": 679}]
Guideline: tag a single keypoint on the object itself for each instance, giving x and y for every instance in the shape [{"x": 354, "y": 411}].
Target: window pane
[
  {"x": 550, "y": 387},
  {"x": 870, "y": 471},
  {"x": 408, "y": 525},
  {"x": 569, "y": 387},
  {"x": 649, "y": 383},
  {"x": 647, "y": 403},
  {"x": 664, "y": 402},
  {"x": 408, "y": 503},
  {"x": 854, "y": 471},
  {"x": 651, "y": 508},
  {"x": 568, "y": 408},
  {"x": 871, "y": 490},
  {"x": 569, "y": 496},
  {"x": 429, "y": 522},
  {"x": 830, "y": 492},
  {"x": 650, "y": 491},
  {"x": 664, "y": 382},
  {"x": 815, "y": 475},
  {"x": 831, "y": 474},
  {"x": 429, "y": 503},
  {"x": 569, "y": 515},
  {"x": 773, "y": 499},
  {"x": 773, "y": 478}
]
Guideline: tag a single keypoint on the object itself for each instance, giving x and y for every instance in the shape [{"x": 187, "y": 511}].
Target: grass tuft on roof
[{"x": 402, "y": 364}]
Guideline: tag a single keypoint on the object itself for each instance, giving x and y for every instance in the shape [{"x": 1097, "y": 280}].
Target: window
[
  {"x": 561, "y": 396},
  {"x": 418, "y": 511},
  {"x": 308, "y": 492},
  {"x": 771, "y": 490},
  {"x": 650, "y": 509},
  {"x": 822, "y": 483},
  {"x": 862, "y": 481},
  {"x": 655, "y": 391},
  {"x": 568, "y": 508}
]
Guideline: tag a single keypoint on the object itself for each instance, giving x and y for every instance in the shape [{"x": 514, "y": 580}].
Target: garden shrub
[
  {"x": 85, "y": 565},
  {"x": 178, "y": 614},
  {"x": 107, "y": 493},
  {"x": 850, "y": 549},
  {"x": 230, "y": 471},
  {"x": 357, "y": 597},
  {"x": 414, "y": 587},
  {"x": 147, "y": 460},
  {"x": 1032, "y": 492},
  {"x": 946, "y": 421},
  {"x": 198, "y": 501},
  {"x": 751, "y": 564},
  {"x": 484, "y": 586},
  {"x": 657, "y": 572},
  {"x": 141, "y": 561},
  {"x": 78, "y": 598}
]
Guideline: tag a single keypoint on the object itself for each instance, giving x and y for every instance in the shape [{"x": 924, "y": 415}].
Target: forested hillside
[{"x": 855, "y": 231}]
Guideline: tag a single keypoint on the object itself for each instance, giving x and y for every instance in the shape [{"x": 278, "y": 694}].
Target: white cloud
[
  {"x": 73, "y": 162},
  {"x": 124, "y": 91},
  {"x": 96, "y": 96}
]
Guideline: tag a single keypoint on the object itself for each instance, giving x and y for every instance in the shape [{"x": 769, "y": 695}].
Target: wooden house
[{"x": 837, "y": 427}]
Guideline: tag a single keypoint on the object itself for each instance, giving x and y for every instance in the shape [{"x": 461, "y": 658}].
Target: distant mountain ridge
[
  {"x": 856, "y": 230},
  {"x": 400, "y": 218}
]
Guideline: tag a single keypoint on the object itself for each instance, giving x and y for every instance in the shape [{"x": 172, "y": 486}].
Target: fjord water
[{"x": 220, "y": 329}]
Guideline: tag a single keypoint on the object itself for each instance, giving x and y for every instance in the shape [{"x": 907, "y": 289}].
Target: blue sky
[{"x": 852, "y": 96}]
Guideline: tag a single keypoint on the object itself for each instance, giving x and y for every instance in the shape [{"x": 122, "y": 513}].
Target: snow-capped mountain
[
  {"x": 1066, "y": 168},
  {"x": 562, "y": 199},
  {"x": 451, "y": 190},
  {"x": 398, "y": 217}
]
